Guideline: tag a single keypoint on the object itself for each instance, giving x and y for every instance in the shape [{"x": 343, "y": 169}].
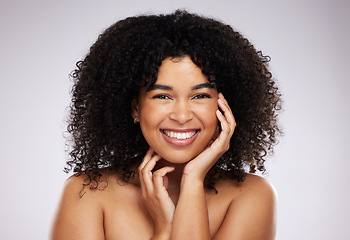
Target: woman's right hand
[{"x": 155, "y": 195}]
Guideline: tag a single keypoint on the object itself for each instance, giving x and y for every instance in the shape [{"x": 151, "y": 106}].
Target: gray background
[{"x": 309, "y": 45}]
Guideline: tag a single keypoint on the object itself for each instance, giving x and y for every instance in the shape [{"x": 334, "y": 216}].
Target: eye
[
  {"x": 201, "y": 96},
  {"x": 161, "y": 96}
]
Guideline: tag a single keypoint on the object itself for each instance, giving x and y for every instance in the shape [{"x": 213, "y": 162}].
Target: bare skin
[
  {"x": 167, "y": 198},
  {"x": 239, "y": 211}
]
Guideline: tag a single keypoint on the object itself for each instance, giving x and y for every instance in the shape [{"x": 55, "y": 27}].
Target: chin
[{"x": 178, "y": 157}]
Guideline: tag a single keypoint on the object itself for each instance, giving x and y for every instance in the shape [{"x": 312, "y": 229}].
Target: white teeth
[{"x": 179, "y": 135}]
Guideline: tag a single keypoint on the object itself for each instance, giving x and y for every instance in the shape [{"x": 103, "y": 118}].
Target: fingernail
[{"x": 221, "y": 95}]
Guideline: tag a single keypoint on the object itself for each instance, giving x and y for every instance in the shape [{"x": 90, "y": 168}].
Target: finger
[
  {"x": 158, "y": 178},
  {"x": 223, "y": 99},
  {"x": 229, "y": 118},
  {"x": 225, "y": 128},
  {"x": 146, "y": 173},
  {"x": 223, "y": 104},
  {"x": 146, "y": 158}
]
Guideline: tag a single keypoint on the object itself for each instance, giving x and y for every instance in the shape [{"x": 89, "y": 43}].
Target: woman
[{"x": 168, "y": 115}]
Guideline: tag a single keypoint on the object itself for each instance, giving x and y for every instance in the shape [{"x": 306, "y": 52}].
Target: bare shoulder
[
  {"x": 253, "y": 185},
  {"x": 258, "y": 186},
  {"x": 80, "y": 189},
  {"x": 252, "y": 211},
  {"x": 80, "y": 212}
]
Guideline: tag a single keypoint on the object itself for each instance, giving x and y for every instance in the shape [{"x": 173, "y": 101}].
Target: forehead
[{"x": 180, "y": 71}]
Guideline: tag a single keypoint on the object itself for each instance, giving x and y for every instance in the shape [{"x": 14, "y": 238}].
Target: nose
[{"x": 181, "y": 112}]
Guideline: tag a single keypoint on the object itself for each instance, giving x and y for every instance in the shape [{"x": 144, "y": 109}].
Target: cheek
[
  {"x": 207, "y": 114},
  {"x": 208, "y": 111},
  {"x": 149, "y": 114},
  {"x": 150, "y": 118}
]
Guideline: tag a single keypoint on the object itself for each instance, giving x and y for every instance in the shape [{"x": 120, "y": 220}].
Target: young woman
[{"x": 169, "y": 114}]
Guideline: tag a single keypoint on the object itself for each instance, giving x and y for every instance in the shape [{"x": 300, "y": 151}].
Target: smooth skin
[{"x": 167, "y": 200}]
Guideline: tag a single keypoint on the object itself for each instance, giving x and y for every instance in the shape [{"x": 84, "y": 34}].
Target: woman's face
[{"x": 177, "y": 115}]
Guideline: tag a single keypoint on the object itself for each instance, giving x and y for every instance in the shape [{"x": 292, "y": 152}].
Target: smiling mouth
[{"x": 180, "y": 135}]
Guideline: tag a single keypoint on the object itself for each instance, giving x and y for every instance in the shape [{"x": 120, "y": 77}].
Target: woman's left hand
[{"x": 199, "y": 166}]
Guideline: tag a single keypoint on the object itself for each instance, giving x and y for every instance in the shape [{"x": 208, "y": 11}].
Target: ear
[{"x": 134, "y": 108}]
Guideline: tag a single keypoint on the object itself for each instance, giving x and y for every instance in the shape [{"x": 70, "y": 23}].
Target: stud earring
[{"x": 135, "y": 120}]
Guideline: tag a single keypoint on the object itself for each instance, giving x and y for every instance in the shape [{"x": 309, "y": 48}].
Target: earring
[{"x": 135, "y": 120}]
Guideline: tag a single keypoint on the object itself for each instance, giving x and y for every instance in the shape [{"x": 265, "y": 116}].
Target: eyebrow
[
  {"x": 169, "y": 88},
  {"x": 160, "y": 87},
  {"x": 203, "y": 85}
]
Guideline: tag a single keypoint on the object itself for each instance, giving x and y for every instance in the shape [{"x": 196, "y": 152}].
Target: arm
[
  {"x": 78, "y": 218},
  {"x": 191, "y": 220},
  {"x": 250, "y": 216}
]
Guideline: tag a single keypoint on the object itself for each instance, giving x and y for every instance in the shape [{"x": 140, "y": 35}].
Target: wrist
[
  {"x": 194, "y": 173},
  {"x": 162, "y": 234},
  {"x": 191, "y": 182}
]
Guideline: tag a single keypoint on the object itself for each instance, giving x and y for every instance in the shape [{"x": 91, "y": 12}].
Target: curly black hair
[{"x": 127, "y": 56}]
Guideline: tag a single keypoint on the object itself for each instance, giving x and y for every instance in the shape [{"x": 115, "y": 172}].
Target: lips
[{"x": 180, "y": 137}]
